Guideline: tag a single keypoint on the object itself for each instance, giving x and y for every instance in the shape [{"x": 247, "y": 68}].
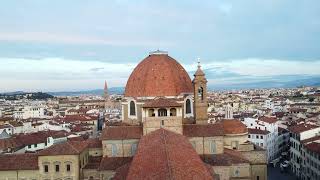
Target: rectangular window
[
  {"x": 57, "y": 168},
  {"x": 261, "y": 137},
  {"x": 257, "y": 136},
  {"x": 68, "y": 167},
  {"x": 46, "y": 168},
  {"x": 35, "y": 145},
  {"x": 29, "y": 146},
  {"x": 213, "y": 147}
]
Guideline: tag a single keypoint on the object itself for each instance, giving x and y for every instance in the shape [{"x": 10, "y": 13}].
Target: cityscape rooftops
[{"x": 299, "y": 128}]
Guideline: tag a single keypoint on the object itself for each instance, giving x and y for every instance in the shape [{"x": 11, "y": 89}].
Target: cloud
[
  {"x": 62, "y": 38},
  {"x": 96, "y": 69},
  {"x": 71, "y": 74}
]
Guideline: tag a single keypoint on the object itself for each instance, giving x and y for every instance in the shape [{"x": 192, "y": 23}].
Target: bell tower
[
  {"x": 105, "y": 91},
  {"x": 200, "y": 96}
]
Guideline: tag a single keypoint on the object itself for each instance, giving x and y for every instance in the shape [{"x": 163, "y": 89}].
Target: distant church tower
[
  {"x": 229, "y": 112},
  {"x": 200, "y": 96},
  {"x": 105, "y": 91}
]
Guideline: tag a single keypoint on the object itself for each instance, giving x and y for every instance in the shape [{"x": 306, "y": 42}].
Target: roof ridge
[
  {"x": 73, "y": 147},
  {"x": 167, "y": 154}
]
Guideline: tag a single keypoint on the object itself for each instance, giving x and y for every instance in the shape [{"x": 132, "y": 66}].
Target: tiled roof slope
[
  {"x": 67, "y": 148},
  {"x": 203, "y": 130},
  {"x": 161, "y": 102},
  {"x": 19, "y": 162},
  {"x": 112, "y": 163},
  {"x": 121, "y": 132},
  {"x": 233, "y": 126},
  {"x": 228, "y": 158},
  {"x": 163, "y": 154}
]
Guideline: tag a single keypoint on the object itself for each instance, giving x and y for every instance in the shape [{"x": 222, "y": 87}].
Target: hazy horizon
[{"x": 77, "y": 45}]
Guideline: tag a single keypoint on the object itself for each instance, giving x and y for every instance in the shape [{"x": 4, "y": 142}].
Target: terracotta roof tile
[
  {"x": 67, "y": 148},
  {"x": 121, "y": 132},
  {"x": 163, "y": 154},
  {"x": 122, "y": 172},
  {"x": 233, "y": 126},
  {"x": 314, "y": 147},
  {"x": 112, "y": 163},
  {"x": 94, "y": 143},
  {"x": 199, "y": 130},
  {"x": 301, "y": 128},
  {"x": 18, "y": 162},
  {"x": 161, "y": 102},
  {"x": 257, "y": 131},
  {"x": 158, "y": 75},
  {"x": 269, "y": 120},
  {"x": 228, "y": 158}
]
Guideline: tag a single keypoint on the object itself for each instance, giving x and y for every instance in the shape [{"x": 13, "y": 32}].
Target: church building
[
  {"x": 164, "y": 134},
  {"x": 165, "y": 131}
]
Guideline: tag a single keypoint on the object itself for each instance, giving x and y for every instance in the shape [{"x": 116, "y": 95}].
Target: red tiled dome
[{"x": 158, "y": 75}]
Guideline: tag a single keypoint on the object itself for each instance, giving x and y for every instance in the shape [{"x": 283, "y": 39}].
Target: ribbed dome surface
[{"x": 158, "y": 75}]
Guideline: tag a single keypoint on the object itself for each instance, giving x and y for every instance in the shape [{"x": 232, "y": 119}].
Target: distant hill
[
  {"x": 113, "y": 90},
  {"x": 22, "y": 95},
  {"x": 312, "y": 81}
]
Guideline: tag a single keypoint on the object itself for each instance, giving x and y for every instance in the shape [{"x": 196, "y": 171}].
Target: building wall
[
  {"x": 202, "y": 145},
  {"x": 171, "y": 123},
  {"x": 20, "y": 174},
  {"x": 229, "y": 139},
  {"x": 95, "y": 152},
  {"x": 106, "y": 175},
  {"x": 259, "y": 170},
  {"x": 62, "y": 161},
  {"x": 120, "y": 148},
  {"x": 222, "y": 171},
  {"x": 88, "y": 173}
]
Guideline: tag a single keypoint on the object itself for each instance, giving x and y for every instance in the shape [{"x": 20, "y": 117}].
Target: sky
[{"x": 63, "y": 45}]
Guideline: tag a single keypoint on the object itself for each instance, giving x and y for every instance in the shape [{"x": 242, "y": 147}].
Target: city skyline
[{"x": 56, "y": 46}]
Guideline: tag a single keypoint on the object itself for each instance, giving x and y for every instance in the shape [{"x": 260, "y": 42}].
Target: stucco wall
[
  {"x": 203, "y": 144},
  {"x": 21, "y": 174},
  {"x": 123, "y": 147},
  {"x": 171, "y": 123},
  {"x": 62, "y": 160}
]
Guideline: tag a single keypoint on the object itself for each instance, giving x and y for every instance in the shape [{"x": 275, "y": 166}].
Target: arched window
[
  {"x": 173, "y": 112},
  {"x": 132, "y": 109},
  {"x": 200, "y": 93},
  {"x": 162, "y": 112},
  {"x": 188, "y": 106},
  {"x": 151, "y": 113}
]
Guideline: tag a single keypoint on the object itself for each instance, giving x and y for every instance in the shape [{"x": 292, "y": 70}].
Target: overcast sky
[{"x": 76, "y": 44}]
